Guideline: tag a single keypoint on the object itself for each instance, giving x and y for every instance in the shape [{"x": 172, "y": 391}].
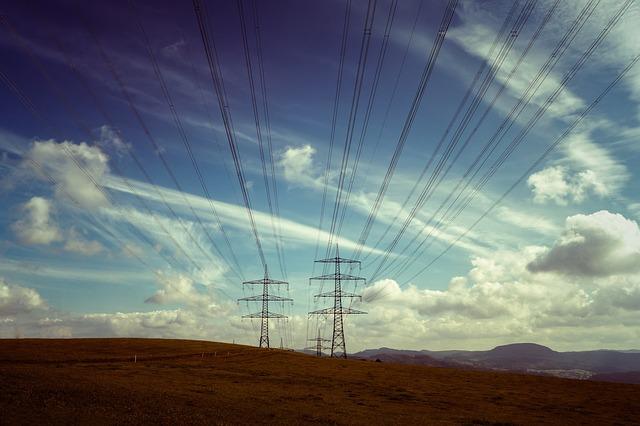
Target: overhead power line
[
  {"x": 408, "y": 123},
  {"x": 483, "y": 65},
  {"x": 430, "y": 185},
  {"x": 369, "y": 109},
  {"x": 185, "y": 139},
  {"x": 353, "y": 112},
  {"x": 572, "y": 71},
  {"x": 519, "y": 107},
  {"x": 334, "y": 119},
  {"x": 267, "y": 121},
  {"x": 219, "y": 89}
]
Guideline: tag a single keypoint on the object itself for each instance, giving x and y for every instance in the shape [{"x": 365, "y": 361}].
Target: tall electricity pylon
[
  {"x": 318, "y": 347},
  {"x": 265, "y": 298},
  {"x": 338, "y": 345}
]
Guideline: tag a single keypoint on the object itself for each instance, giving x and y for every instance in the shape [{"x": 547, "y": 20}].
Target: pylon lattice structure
[
  {"x": 338, "y": 345},
  {"x": 264, "y": 315},
  {"x": 318, "y": 347}
]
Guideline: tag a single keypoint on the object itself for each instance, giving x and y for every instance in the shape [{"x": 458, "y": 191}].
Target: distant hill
[
  {"x": 401, "y": 357},
  {"x": 525, "y": 357}
]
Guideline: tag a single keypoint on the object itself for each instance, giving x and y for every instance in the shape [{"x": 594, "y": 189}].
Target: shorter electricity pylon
[
  {"x": 338, "y": 345},
  {"x": 318, "y": 347},
  {"x": 265, "y": 298}
]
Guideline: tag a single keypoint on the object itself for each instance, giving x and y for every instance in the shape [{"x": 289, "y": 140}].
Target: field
[{"x": 134, "y": 381}]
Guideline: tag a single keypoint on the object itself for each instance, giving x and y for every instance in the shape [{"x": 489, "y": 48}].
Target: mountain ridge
[{"x": 532, "y": 358}]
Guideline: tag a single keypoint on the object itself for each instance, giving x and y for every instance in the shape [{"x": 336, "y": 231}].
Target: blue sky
[{"x": 556, "y": 261}]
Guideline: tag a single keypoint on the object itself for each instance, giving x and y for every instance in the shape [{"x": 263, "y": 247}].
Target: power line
[
  {"x": 503, "y": 86},
  {"x": 429, "y": 187},
  {"x": 396, "y": 83},
  {"x": 218, "y": 84},
  {"x": 535, "y": 164},
  {"x": 71, "y": 111},
  {"x": 267, "y": 120},
  {"x": 408, "y": 123},
  {"x": 185, "y": 139},
  {"x": 353, "y": 112},
  {"x": 470, "y": 90},
  {"x": 574, "y": 69},
  {"x": 256, "y": 118},
  {"x": 157, "y": 149},
  {"x": 30, "y": 106},
  {"x": 369, "y": 108},
  {"x": 508, "y": 121},
  {"x": 334, "y": 118}
]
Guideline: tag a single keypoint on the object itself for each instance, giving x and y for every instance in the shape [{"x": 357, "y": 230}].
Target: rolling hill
[{"x": 151, "y": 381}]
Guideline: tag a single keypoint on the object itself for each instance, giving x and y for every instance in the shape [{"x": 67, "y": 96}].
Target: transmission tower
[
  {"x": 318, "y": 347},
  {"x": 265, "y": 298},
  {"x": 338, "y": 345}
]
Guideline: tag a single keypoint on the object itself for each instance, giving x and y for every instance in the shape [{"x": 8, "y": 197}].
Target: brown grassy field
[{"x": 96, "y": 381}]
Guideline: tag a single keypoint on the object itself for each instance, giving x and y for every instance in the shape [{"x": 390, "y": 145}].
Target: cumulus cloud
[
  {"x": 36, "y": 226},
  {"x": 557, "y": 184},
  {"x": 59, "y": 161},
  {"x": 500, "y": 301},
  {"x": 599, "y": 244},
  {"x": 297, "y": 166},
  {"x": 15, "y": 299},
  {"x": 179, "y": 289}
]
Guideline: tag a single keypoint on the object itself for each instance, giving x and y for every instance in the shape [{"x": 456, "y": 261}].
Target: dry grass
[{"x": 96, "y": 381}]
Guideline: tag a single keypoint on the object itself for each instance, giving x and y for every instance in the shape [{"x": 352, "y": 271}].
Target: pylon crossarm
[
  {"x": 343, "y": 311},
  {"x": 340, "y": 294},
  {"x": 342, "y": 277},
  {"x": 264, "y": 315},
  {"x": 269, "y": 297},
  {"x": 337, "y": 260},
  {"x": 264, "y": 281}
]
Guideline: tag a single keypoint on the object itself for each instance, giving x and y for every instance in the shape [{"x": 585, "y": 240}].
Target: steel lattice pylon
[
  {"x": 318, "y": 347},
  {"x": 265, "y": 298},
  {"x": 338, "y": 345}
]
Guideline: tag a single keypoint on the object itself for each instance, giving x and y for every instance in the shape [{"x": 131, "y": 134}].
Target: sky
[{"x": 502, "y": 149}]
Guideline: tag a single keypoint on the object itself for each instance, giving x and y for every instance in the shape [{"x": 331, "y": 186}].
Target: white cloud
[
  {"x": 37, "y": 226},
  {"x": 589, "y": 298},
  {"x": 111, "y": 139},
  {"x": 298, "y": 167},
  {"x": 59, "y": 161},
  {"x": 538, "y": 223},
  {"x": 76, "y": 243},
  {"x": 230, "y": 214},
  {"x": 159, "y": 324},
  {"x": 556, "y": 184},
  {"x": 601, "y": 170},
  {"x": 476, "y": 35},
  {"x": 599, "y": 244},
  {"x": 15, "y": 299},
  {"x": 549, "y": 184},
  {"x": 179, "y": 289}
]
